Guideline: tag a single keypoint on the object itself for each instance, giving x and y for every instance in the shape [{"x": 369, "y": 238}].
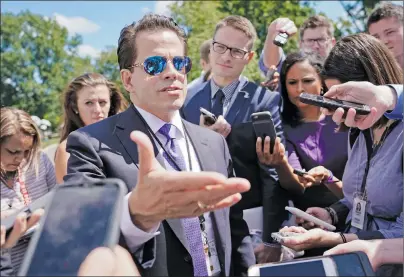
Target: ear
[
  {"x": 333, "y": 41},
  {"x": 126, "y": 77}
]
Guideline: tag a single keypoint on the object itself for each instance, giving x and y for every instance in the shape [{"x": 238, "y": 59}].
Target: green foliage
[
  {"x": 107, "y": 65},
  {"x": 199, "y": 19},
  {"x": 192, "y": 16},
  {"x": 37, "y": 58}
]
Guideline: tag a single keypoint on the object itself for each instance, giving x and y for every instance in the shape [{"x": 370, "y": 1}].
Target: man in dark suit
[
  {"x": 174, "y": 223},
  {"x": 232, "y": 98}
]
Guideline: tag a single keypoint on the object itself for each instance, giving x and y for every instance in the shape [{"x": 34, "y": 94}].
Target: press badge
[{"x": 359, "y": 211}]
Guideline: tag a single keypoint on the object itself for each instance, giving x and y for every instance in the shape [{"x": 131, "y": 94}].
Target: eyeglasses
[
  {"x": 234, "y": 52},
  {"x": 155, "y": 65},
  {"x": 320, "y": 41}
]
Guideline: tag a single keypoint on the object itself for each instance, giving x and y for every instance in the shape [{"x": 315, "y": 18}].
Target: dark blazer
[
  {"x": 6, "y": 267},
  {"x": 265, "y": 188},
  {"x": 104, "y": 150}
]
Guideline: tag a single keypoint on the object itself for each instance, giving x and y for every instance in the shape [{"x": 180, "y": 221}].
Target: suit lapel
[
  {"x": 127, "y": 122},
  {"x": 238, "y": 107},
  {"x": 204, "y": 155},
  {"x": 201, "y": 147}
]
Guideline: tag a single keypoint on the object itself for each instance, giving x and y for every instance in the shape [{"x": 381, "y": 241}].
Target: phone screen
[
  {"x": 349, "y": 265},
  {"x": 77, "y": 222},
  {"x": 309, "y": 268},
  {"x": 339, "y": 102}
]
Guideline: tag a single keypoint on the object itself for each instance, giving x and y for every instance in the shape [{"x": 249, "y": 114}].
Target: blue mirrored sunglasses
[{"x": 155, "y": 65}]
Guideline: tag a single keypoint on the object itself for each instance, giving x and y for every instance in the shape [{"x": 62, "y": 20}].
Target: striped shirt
[
  {"x": 37, "y": 186},
  {"x": 228, "y": 92}
]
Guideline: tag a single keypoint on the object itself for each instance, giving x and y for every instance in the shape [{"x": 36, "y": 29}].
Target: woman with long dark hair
[{"x": 89, "y": 98}]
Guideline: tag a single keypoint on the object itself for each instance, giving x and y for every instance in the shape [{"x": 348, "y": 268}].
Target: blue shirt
[
  {"x": 397, "y": 113},
  {"x": 384, "y": 184}
]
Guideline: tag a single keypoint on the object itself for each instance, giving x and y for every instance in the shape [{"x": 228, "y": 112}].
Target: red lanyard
[{"x": 23, "y": 189}]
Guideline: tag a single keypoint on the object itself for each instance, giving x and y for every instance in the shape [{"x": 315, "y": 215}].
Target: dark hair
[
  {"x": 383, "y": 11},
  {"x": 239, "y": 23},
  {"x": 316, "y": 21},
  {"x": 127, "y": 52},
  {"x": 290, "y": 113},
  {"x": 205, "y": 49},
  {"x": 362, "y": 57},
  {"x": 72, "y": 120}
]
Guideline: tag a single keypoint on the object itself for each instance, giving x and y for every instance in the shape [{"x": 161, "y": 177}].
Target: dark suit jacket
[
  {"x": 265, "y": 188},
  {"x": 104, "y": 150},
  {"x": 6, "y": 267}
]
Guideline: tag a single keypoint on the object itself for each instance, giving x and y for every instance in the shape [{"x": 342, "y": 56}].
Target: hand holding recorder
[{"x": 380, "y": 99}]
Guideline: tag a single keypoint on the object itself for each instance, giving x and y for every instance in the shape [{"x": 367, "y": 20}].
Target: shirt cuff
[
  {"x": 134, "y": 237},
  {"x": 397, "y": 112}
]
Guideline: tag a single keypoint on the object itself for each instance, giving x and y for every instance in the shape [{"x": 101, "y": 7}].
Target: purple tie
[{"x": 191, "y": 225}]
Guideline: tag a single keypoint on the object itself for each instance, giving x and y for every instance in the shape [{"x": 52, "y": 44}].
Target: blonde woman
[
  {"x": 26, "y": 172},
  {"x": 89, "y": 98}
]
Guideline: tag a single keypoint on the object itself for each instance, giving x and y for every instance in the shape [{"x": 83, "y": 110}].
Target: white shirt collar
[{"x": 156, "y": 123}]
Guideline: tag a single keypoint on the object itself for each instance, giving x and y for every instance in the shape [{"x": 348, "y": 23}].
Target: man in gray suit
[{"x": 176, "y": 219}]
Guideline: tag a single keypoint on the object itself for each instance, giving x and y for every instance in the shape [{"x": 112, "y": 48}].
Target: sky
[{"x": 100, "y": 22}]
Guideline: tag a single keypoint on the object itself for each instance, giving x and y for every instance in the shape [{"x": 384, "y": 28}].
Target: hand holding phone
[
  {"x": 333, "y": 104},
  {"x": 263, "y": 127},
  {"x": 308, "y": 217},
  {"x": 209, "y": 117},
  {"x": 79, "y": 218}
]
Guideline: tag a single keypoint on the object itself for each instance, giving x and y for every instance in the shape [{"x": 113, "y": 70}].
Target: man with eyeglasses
[
  {"x": 176, "y": 219},
  {"x": 232, "y": 98},
  {"x": 316, "y": 35}
]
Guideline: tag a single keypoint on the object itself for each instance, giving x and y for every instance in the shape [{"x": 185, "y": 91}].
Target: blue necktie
[
  {"x": 191, "y": 225},
  {"x": 217, "y": 108}
]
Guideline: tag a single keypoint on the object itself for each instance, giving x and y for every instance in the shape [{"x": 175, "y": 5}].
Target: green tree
[
  {"x": 38, "y": 58},
  {"x": 192, "y": 16},
  {"x": 107, "y": 65},
  {"x": 199, "y": 19}
]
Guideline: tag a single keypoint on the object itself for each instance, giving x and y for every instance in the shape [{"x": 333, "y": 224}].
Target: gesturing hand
[{"x": 161, "y": 194}]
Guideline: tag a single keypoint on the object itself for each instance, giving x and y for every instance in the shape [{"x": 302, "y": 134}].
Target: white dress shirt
[{"x": 135, "y": 237}]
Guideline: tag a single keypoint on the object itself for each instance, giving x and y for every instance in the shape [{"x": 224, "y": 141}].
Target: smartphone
[
  {"x": 39, "y": 203},
  {"x": 299, "y": 172},
  {"x": 270, "y": 74},
  {"x": 333, "y": 104},
  {"x": 281, "y": 39},
  {"x": 263, "y": 127},
  {"x": 353, "y": 264},
  {"x": 210, "y": 118},
  {"x": 308, "y": 217},
  {"x": 319, "y": 266},
  {"x": 78, "y": 218},
  {"x": 277, "y": 236}
]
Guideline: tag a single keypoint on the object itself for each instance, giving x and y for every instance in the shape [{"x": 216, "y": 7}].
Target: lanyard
[
  {"x": 20, "y": 188},
  {"x": 373, "y": 151},
  {"x": 161, "y": 145}
]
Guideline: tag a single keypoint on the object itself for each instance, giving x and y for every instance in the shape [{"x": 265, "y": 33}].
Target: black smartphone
[
  {"x": 281, "y": 39},
  {"x": 333, "y": 104},
  {"x": 78, "y": 218},
  {"x": 39, "y": 203},
  {"x": 270, "y": 75},
  {"x": 210, "y": 118},
  {"x": 263, "y": 127},
  {"x": 299, "y": 172}
]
